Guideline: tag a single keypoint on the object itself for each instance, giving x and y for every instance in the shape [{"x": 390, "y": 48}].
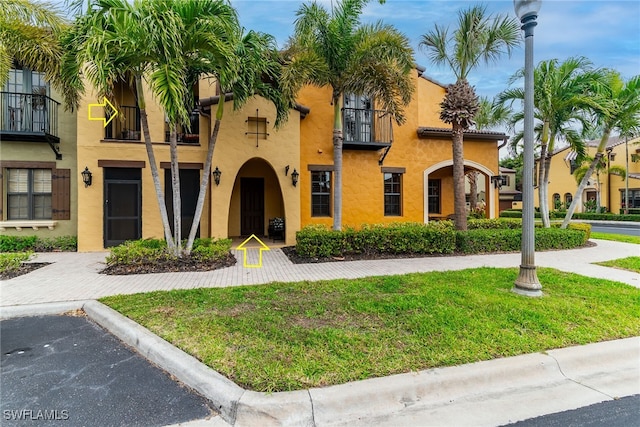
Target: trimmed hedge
[
  {"x": 483, "y": 236},
  {"x": 401, "y": 238},
  {"x": 517, "y": 213},
  {"x": 38, "y": 244}
]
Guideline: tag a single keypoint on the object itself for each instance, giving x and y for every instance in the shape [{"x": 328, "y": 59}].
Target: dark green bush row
[
  {"x": 606, "y": 217},
  {"x": 496, "y": 235},
  {"x": 38, "y": 244},
  {"x": 401, "y": 238},
  {"x": 509, "y": 240},
  {"x": 517, "y": 213},
  {"x": 149, "y": 251}
]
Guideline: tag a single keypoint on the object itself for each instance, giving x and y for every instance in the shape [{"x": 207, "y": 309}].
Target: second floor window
[
  {"x": 24, "y": 101},
  {"x": 321, "y": 193}
]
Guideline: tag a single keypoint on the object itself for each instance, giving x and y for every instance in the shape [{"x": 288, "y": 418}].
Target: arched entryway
[
  {"x": 438, "y": 188},
  {"x": 255, "y": 199}
]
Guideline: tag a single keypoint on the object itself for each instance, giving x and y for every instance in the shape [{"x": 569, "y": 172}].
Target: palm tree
[
  {"x": 602, "y": 167},
  {"x": 29, "y": 35},
  {"x": 617, "y": 108},
  {"x": 332, "y": 48},
  {"x": 478, "y": 38},
  {"x": 117, "y": 41},
  {"x": 560, "y": 101},
  {"x": 172, "y": 44}
]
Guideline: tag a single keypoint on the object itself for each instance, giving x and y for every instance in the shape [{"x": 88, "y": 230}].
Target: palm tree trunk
[
  {"x": 543, "y": 187},
  {"x": 337, "y": 162},
  {"x": 592, "y": 167},
  {"x": 153, "y": 165},
  {"x": 175, "y": 189},
  {"x": 204, "y": 183},
  {"x": 459, "y": 202}
]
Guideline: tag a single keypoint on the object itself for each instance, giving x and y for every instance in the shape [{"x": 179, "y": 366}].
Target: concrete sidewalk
[
  {"x": 75, "y": 276},
  {"x": 488, "y": 393}
]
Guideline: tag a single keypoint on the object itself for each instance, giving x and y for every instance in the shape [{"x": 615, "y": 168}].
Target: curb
[
  {"x": 569, "y": 378},
  {"x": 45, "y": 309}
]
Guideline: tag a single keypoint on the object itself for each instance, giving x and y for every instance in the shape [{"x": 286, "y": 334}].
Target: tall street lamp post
[{"x": 527, "y": 282}]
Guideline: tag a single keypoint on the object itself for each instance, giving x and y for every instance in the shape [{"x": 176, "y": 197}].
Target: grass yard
[
  {"x": 289, "y": 336},
  {"x": 631, "y": 263},
  {"x": 616, "y": 237}
]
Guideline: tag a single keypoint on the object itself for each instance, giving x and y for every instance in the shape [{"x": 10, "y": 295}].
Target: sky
[{"x": 605, "y": 32}]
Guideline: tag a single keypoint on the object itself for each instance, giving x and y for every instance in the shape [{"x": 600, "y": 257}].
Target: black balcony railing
[
  {"x": 28, "y": 117},
  {"x": 125, "y": 126},
  {"x": 188, "y": 136},
  {"x": 366, "y": 129}
]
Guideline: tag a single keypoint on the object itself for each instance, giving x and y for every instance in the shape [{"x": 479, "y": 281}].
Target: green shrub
[
  {"x": 606, "y": 216},
  {"x": 509, "y": 240},
  {"x": 497, "y": 223},
  {"x": 399, "y": 238},
  {"x": 210, "y": 249},
  {"x": 37, "y": 244},
  {"x": 137, "y": 252},
  {"x": 556, "y": 238},
  {"x": 17, "y": 243},
  {"x": 12, "y": 261}
]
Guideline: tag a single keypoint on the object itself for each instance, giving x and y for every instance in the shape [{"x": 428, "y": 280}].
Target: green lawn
[
  {"x": 616, "y": 237},
  {"x": 288, "y": 336},
  {"x": 631, "y": 263}
]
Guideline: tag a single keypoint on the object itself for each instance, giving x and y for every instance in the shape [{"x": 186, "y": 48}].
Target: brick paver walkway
[{"x": 75, "y": 276}]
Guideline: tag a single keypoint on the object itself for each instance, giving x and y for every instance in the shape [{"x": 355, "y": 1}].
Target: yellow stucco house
[
  {"x": 621, "y": 152},
  {"x": 38, "y": 172},
  {"x": 391, "y": 173}
]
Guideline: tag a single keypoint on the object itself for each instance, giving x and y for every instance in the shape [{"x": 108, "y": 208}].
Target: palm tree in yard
[
  {"x": 332, "y": 48},
  {"x": 478, "y": 38},
  {"x": 617, "y": 109},
  {"x": 602, "y": 168},
  {"x": 560, "y": 102},
  {"x": 29, "y": 35},
  {"x": 168, "y": 44}
]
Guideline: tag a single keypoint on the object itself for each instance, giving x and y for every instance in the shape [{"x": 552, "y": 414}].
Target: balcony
[
  {"x": 366, "y": 129},
  {"x": 188, "y": 136},
  {"x": 28, "y": 117},
  {"x": 124, "y": 127}
]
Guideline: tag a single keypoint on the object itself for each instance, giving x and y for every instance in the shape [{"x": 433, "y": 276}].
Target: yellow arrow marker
[
  {"x": 261, "y": 248},
  {"x": 104, "y": 104}
]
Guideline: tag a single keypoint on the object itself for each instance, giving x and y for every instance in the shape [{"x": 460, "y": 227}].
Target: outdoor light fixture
[
  {"x": 216, "y": 176},
  {"x": 286, "y": 170},
  {"x": 86, "y": 176},
  {"x": 497, "y": 181},
  {"x": 294, "y": 177},
  {"x": 527, "y": 282}
]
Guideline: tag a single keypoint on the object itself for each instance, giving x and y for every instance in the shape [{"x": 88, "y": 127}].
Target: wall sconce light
[
  {"x": 86, "y": 176},
  {"x": 216, "y": 176},
  {"x": 286, "y": 170},
  {"x": 497, "y": 181},
  {"x": 294, "y": 177}
]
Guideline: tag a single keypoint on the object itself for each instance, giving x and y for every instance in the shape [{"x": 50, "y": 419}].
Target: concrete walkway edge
[{"x": 579, "y": 376}]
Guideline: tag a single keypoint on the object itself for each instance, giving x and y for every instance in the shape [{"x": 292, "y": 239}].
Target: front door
[
  {"x": 189, "y": 189},
  {"x": 122, "y": 205},
  {"x": 252, "y": 206}
]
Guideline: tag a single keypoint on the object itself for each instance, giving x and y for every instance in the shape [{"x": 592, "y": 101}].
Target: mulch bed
[
  {"x": 183, "y": 264},
  {"x": 25, "y": 268}
]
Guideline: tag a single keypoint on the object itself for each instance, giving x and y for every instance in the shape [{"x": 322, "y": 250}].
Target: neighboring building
[
  {"x": 563, "y": 185},
  {"x": 38, "y": 174},
  {"x": 391, "y": 173},
  {"x": 510, "y": 197}
]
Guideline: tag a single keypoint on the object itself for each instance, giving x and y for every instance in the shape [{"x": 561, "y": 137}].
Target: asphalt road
[
  {"x": 627, "y": 230},
  {"x": 63, "y": 370},
  {"x": 624, "y": 412}
]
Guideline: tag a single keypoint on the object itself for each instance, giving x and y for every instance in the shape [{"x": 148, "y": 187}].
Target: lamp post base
[{"x": 527, "y": 282}]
